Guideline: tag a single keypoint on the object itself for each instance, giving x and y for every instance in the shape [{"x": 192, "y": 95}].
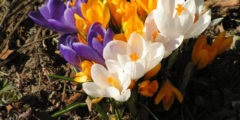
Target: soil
[{"x": 31, "y": 54}]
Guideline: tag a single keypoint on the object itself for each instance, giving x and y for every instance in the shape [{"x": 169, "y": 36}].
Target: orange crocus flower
[
  {"x": 203, "y": 53},
  {"x": 93, "y": 11},
  {"x": 147, "y": 88},
  {"x": 85, "y": 74},
  {"x": 167, "y": 95},
  {"x": 145, "y": 7}
]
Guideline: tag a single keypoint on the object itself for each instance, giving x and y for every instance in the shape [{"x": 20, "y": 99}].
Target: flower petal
[
  {"x": 135, "y": 70},
  {"x": 70, "y": 55},
  {"x": 100, "y": 75},
  {"x": 88, "y": 53},
  {"x": 94, "y": 90},
  {"x": 113, "y": 47},
  {"x": 136, "y": 44}
]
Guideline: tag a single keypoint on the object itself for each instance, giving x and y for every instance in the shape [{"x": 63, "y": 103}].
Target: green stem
[
  {"x": 68, "y": 108},
  {"x": 150, "y": 112},
  {"x": 115, "y": 109}
]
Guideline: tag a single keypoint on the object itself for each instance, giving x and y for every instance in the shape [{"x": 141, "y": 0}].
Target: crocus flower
[
  {"x": 93, "y": 11},
  {"x": 147, "y": 88},
  {"x": 108, "y": 84},
  {"x": 175, "y": 20},
  {"x": 74, "y": 51},
  {"x": 145, "y": 7},
  {"x": 203, "y": 53},
  {"x": 66, "y": 49},
  {"x": 55, "y": 15},
  {"x": 167, "y": 94},
  {"x": 85, "y": 74},
  {"x": 135, "y": 57},
  {"x": 98, "y": 37}
]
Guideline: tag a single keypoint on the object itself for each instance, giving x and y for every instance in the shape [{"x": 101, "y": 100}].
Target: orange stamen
[
  {"x": 99, "y": 38},
  {"x": 154, "y": 35},
  {"x": 71, "y": 4},
  {"x": 134, "y": 57},
  {"x": 179, "y": 9},
  {"x": 113, "y": 82}
]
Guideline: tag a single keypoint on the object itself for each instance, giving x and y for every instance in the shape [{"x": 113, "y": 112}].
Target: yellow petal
[
  {"x": 166, "y": 90},
  {"x": 203, "y": 58},
  {"x": 147, "y": 88},
  {"x": 197, "y": 47},
  {"x": 120, "y": 36},
  {"x": 168, "y": 100},
  {"x": 225, "y": 44},
  {"x": 218, "y": 40}
]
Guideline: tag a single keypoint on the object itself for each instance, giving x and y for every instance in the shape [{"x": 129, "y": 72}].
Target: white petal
[
  {"x": 166, "y": 5},
  {"x": 136, "y": 44},
  {"x": 172, "y": 45},
  {"x": 149, "y": 27},
  {"x": 113, "y": 66},
  {"x": 166, "y": 24},
  {"x": 155, "y": 55},
  {"x": 135, "y": 70},
  {"x": 184, "y": 22},
  {"x": 113, "y": 48},
  {"x": 100, "y": 75},
  {"x": 125, "y": 95},
  {"x": 124, "y": 79},
  {"x": 93, "y": 90},
  {"x": 201, "y": 25},
  {"x": 190, "y": 5},
  {"x": 199, "y": 5},
  {"x": 123, "y": 60}
]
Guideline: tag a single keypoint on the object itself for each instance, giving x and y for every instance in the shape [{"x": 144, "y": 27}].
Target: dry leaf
[
  {"x": 222, "y": 3},
  {"x": 89, "y": 103},
  {"x": 73, "y": 98},
  {"x": 5, "y": 52},
  {"x": 9, "y": 108}
]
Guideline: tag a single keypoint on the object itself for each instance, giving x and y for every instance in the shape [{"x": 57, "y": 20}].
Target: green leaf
[{"x": 69, "y": 108}]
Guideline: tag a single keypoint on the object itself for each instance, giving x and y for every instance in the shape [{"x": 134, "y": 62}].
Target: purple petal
[
  {"x": 37, "y": 17},
  {"x": 67, "y": 39},
  {"x": 98, "y": 28},
  {"x": 60, "y": 26},
  {"x": 56, "y": 8},
  {"x": 44, "y": 11},
  {"x": 88, "y": 53},
  {"x": 70, "y": 55},
  {"x": 97, "y": 46},
  {"x": 90, "y": 37},
  {"x": 108, "y": 37}
]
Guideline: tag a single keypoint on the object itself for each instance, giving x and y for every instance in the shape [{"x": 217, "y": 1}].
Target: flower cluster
[{"x": 115, "y": 44}]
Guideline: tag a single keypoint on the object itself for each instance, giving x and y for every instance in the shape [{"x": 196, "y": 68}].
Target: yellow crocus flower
[
  {"x": 85, "y": 74},
  {"x": 96, "y": 11},
  {"x": 167, "y": 95},
  {"x": 93, "y": 11},
  {"x": 145, "y": 7},
  {"x": 204, "y": 53},
  {"x": 147, "y": 88}
]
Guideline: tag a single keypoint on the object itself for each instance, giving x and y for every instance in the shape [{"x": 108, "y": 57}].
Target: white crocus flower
[
  {"x": 135, "y": 57},
  {"x": 175, "y": 20},
  {"x": 108, "y": 84}
]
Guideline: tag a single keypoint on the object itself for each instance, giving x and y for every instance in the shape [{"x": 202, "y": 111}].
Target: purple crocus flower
[
  {"x": 73, "y": 51},
  {"x": 66, "y": 49},
  {"x": 98, "y": 37},
  {"x": 56, "y": 15}
]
